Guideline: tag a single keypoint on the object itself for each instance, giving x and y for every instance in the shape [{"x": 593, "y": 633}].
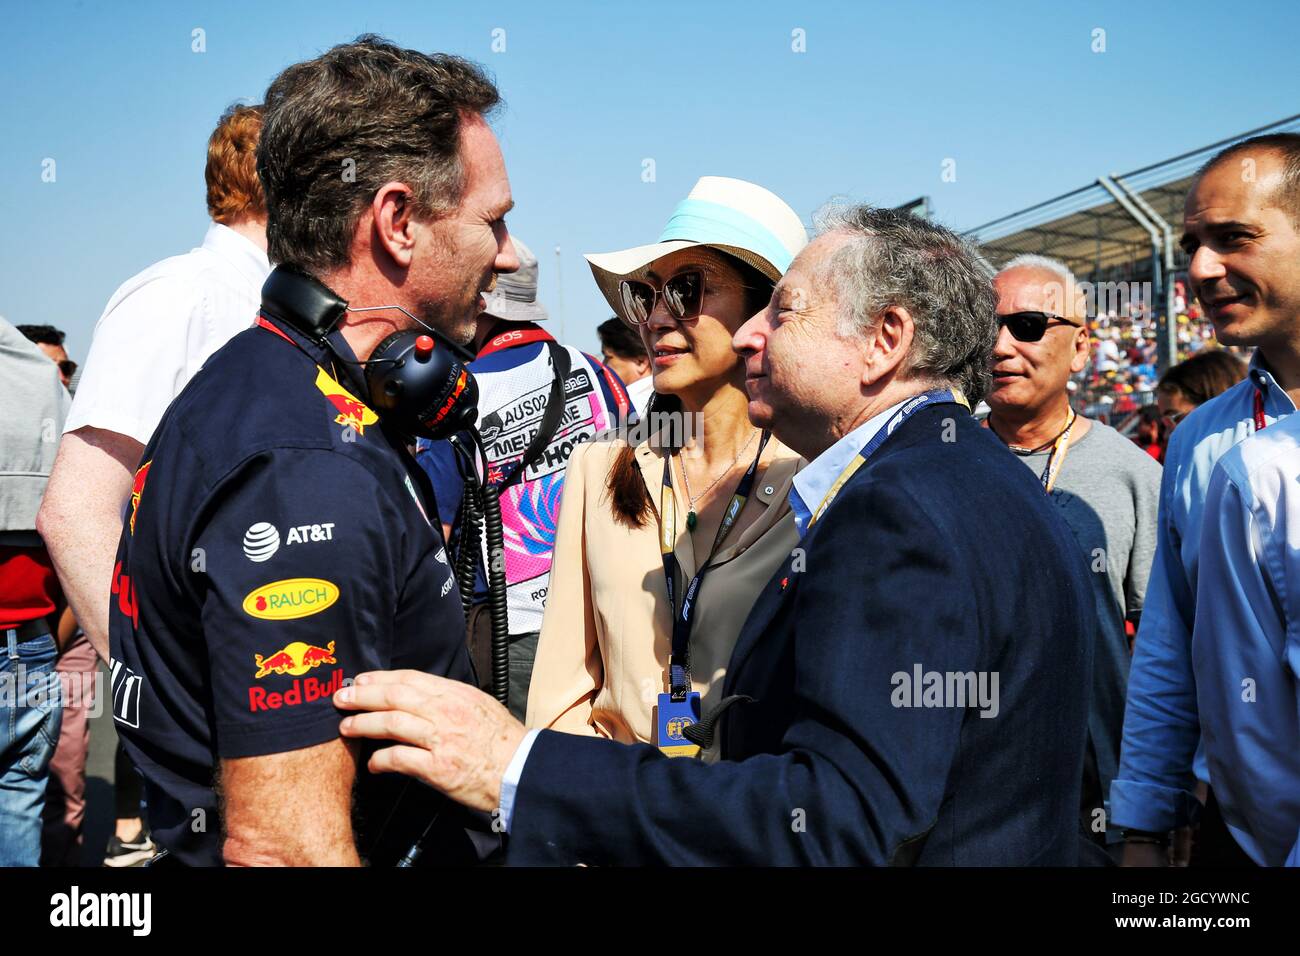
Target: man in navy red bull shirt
[{"x": 278, "y": 539}]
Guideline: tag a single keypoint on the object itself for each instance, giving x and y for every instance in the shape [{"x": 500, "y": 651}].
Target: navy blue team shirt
[{"x": 277, "y": 543}]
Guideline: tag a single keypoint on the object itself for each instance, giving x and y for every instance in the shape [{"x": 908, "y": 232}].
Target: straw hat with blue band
[{"x": 730, "y": 215}]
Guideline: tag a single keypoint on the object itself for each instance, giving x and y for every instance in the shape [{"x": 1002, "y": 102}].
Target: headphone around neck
[{"x": 418, "y": 380}]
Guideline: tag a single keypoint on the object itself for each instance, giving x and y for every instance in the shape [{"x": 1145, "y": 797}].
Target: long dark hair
[
  {"x": 627, "y": 492},
  {"x": 1203, "y": 376}
]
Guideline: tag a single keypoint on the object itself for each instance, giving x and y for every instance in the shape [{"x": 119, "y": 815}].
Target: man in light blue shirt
[
  {"x": 1246, "y": 643},
  {"x": 1242, "y": 231}
]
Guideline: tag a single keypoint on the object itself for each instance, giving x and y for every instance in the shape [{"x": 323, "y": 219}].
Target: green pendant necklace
[{"x": 691, "y": 518}]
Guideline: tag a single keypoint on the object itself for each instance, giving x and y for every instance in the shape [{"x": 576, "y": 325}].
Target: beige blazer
[{"x": 602, "y": 658}]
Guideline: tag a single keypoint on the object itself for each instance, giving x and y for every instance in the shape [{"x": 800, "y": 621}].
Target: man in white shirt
[
  {"x": 1243, "y": 239},
  {"x": 156, "y": 332}
]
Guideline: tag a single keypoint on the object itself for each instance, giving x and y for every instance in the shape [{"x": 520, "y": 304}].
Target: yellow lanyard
[
  {"x": 1056, "y": 459},
  {"x": 1060, "y": 448},
  {"x": 857, "y": 462}
]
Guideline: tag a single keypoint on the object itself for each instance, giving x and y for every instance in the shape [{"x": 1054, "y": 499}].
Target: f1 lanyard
[
  {"x": 912, "y": 406},
  {"x": 1060, "y": 448},
  {"x": 679, "y": 671},
  {"x": 1260, "y": 423}
]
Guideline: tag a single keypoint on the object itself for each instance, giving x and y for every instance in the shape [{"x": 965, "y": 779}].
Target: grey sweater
[{"x": 1107, "y": 492}]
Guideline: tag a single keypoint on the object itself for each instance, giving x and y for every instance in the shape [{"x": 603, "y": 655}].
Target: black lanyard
[{"x": 679, "y": 671}]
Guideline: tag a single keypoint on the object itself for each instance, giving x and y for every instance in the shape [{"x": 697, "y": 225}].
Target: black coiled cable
[
  {"x": 481, "y": 507},
  {"x": 496, "y": 576},
  {"x": 471, "y": 516}
]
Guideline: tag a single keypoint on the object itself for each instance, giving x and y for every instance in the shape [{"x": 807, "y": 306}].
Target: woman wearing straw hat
[{"x": 662, "y": 549}]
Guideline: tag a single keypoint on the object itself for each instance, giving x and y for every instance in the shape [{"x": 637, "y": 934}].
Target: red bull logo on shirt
[
  {"x": 352, "y": 412},
  {"x": 137, "y": 489},
  {"x": 290, "y": 598},
  {"x": 304, "y": 690},
  {"x": 296, "y": 658}
]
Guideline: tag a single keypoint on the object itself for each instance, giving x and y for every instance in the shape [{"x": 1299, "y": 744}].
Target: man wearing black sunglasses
[
  {"x": 50, "y": 341},
  {"x": 1105, "y": 487}
]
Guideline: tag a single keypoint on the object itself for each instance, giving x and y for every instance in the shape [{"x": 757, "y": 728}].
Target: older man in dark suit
[{"x": 911, "y": 686}]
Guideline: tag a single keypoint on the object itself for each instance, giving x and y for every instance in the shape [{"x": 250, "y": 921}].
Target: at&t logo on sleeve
[{"x": 262, "y": 540}]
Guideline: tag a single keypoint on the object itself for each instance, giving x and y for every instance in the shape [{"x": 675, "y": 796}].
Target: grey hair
[
  {"x": 892, "y": 258},
  {"x": 1068, "y": 297},
  {"x": 1044, "y": 263}
]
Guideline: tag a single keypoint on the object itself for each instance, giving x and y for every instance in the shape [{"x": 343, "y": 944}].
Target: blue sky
[{"x": 882, "y": 96}]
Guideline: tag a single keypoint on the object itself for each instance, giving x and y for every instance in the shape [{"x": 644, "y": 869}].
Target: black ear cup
[
  {"x": 417, "y": 380},
  {"x": 418, "y": 385}
]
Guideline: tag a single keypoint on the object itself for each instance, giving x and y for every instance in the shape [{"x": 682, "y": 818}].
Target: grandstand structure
[{"x": 1117, "y": 233}]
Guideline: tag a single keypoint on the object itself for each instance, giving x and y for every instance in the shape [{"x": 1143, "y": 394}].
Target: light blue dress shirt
[
  {"x": 510, "y": 780},
  {"x": 1160, "y": 751},
  {"x": 813, "y": 483},
  {"x": 810, "y": 485},
  {"x": 1246, "y": 642}
]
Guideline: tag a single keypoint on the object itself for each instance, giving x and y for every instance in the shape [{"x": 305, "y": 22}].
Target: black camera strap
[{"x": 561, "y": 366}]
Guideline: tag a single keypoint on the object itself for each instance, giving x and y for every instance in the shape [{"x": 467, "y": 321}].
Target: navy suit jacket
[{"x": 941, "y": 556}]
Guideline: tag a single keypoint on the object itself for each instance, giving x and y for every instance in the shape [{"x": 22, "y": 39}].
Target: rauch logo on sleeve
[{"x": 291, "y": 598}]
